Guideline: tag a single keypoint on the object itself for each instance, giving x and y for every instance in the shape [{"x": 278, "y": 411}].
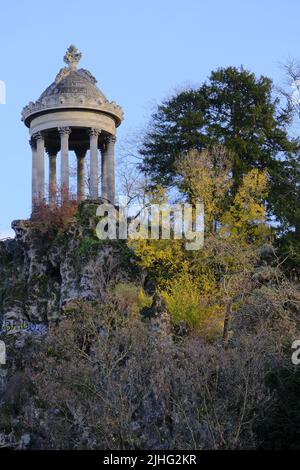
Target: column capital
[
  {"x": 64, "y": 130},
  {"x": 32, "y": 143},
  {"x": 112, "y": 139},
  {"x": 38, "y": 136},
  {"x": 93, "y": 131},
  {"x": 107, "y": 139}
]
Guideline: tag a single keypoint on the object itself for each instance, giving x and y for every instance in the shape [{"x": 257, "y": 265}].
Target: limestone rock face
[{"x": 41, "y": 271}]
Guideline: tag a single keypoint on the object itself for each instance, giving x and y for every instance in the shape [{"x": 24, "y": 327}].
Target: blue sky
[{"x": 140, "y": 51}]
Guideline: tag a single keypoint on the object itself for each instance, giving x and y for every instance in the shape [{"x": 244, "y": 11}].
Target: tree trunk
[{"x": 227, "y": 323}]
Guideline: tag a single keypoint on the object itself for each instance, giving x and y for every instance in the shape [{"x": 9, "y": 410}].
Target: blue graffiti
[{"x": 24, "y": 327}]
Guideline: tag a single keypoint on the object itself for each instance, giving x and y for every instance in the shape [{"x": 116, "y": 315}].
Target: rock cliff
[{"x": 43, "y": 269}]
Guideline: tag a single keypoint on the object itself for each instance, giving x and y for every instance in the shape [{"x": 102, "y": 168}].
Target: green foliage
[
  {"x": 236, "y": 109},
  {"x": 18, "y": 290},
  {"x": 87, "y": 244}
]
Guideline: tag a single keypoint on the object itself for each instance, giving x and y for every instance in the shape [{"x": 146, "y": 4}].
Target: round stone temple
[{"x": 72, "y": 114}]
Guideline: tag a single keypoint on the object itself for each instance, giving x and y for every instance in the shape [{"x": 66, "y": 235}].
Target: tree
[
  {"x": 246, "y": 217},
  {"x": 206, "y": 176},
  {"x": 286, "y": 183},
  {"x": 235, "y": 109},
  {"x": 203, "y": 287}
]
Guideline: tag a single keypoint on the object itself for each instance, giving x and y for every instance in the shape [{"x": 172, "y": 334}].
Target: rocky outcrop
[{"x": 42, "y": 270}]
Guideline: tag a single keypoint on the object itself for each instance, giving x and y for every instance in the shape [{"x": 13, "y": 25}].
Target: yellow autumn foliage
[
  {"x": 198, "y": 285},
  {"x": 186, "y": 304},
  {"x": 247, "y": 215}
]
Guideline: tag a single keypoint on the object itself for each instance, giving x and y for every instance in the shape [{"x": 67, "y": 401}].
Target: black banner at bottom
[{"x": 88, "y": 460}]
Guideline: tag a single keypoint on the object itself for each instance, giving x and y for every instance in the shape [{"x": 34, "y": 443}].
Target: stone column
[
  {"x": 64, "y": 153},
  {"x": 104, "y": 170},
  {"x": 94, "y": 133},
  {"x": 52, "y": 176},
  {"x": 34, "y": 180},
  {"x": 40, "y": 156},
  {"x": 80, "y": 154},
  {"x": 110, "y": 161}
]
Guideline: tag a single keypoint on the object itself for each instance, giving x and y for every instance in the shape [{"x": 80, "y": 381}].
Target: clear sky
[{"x": 139, "y": 50}]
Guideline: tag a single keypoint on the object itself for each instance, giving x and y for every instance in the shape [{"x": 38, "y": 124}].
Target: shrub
[
  {"x": 55, "y": 217},
  {"x": 185, "y": 304},
  {"x": 104, "y": 380},
  {"x": 131, "y": 298}
]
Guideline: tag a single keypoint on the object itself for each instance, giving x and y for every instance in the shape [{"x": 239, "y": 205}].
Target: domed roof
[
  {"x": 72, "y": 88},
  {"x": 69, "y": 81}
]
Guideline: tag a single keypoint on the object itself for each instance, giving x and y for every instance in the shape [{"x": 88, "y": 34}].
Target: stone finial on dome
[
  {"x": 72, "y": 57},
  {"x": 74, "y": 89}
]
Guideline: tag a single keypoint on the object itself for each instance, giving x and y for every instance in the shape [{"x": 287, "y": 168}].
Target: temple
[{"x": 72, "y": 114}]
